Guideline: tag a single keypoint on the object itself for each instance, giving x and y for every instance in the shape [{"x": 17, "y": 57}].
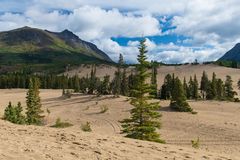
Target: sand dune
[
  {"x": 216, "y": 124},
  {"x": 180, "y": 71}
]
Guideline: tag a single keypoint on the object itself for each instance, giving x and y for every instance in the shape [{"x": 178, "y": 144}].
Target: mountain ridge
[
  {"x": 232, "y": 55},
  {"x": 35, "y": 47}
]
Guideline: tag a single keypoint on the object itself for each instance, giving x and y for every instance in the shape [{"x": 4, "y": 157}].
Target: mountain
[
  {"x": 43, "y": 49},
  {"x": 232, "y": 55}
]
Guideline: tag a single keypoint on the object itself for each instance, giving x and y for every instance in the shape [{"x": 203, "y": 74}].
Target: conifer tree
[
  {"x": 166, "y": 89},
  {"x": 214, "y": 81},
  {"x": 118, "y": 77},
  {"x": 76, "y": 84},
  {"x": 14, "y": 114},
  {"x": 191, "y": 88},
  {"x": 185, "y": 88},
  {"x": 220, "y": 89},
  {"x": 178, "y": 100},
  {"x": 124, "y": 84},
  {"x": 104, "y": 87},
  {"x": 195, "y": 87},
  {"x": 92, "y": 80},
  {"x": 204, "y": 84},
  {"x": 154, "y": 92},
  {"x": 34, "y": 106},
  {"x": 144, "y": 118},
  {"x": 229, "y": 92}
]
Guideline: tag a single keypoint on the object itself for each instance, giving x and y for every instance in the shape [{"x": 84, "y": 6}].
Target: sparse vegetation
[
  {"x": 60, "y": 124},
  {"x": 86, "y": 127},
  {"x": 14, "y": 114},
  {"x": 104, "y": 108},
  {"x": 196, "y": 143}
]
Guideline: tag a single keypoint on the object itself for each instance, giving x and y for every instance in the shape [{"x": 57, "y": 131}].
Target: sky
[{"x": 177, "y": 31}]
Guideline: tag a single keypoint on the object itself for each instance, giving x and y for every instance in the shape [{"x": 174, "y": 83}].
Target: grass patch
[
  {"x": 60, "y": 124},
  {"x": 103, "y": 108},
  {"x": 195, "y": 143},
  {"x": 86, "y": 127}
]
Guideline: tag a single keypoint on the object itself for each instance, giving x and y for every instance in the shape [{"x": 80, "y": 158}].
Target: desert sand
[{"x": 217, "y": 125}]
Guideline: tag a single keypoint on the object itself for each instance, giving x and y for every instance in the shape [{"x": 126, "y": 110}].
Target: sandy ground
[{"x": 217, "y": 125}]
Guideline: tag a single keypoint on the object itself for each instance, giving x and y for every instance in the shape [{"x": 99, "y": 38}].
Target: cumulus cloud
[{"x": 212, "y": 27}]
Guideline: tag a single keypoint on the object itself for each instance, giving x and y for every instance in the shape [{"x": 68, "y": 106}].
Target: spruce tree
[
  {"x": 76, "y": 84},
  {"x": 144, "y": 118},
  {"x": 185, "y": 88},
  {"x": 178, "y": 100},
  {"x": 191, "y": 88},
  {"x": 214, "y": 81},
  {"x": 14, "y": 114},
  {"x": 229, "y": 92},
  {"x": 92, "y": 80},
  {"x": 154, "y": 92},
  {"x": 104, "y": 87},
  {"x": 124, "y": 83},
  {"x": 118, "y": 77},
  {"x": 34, "y": 106},
  {"x": 204, "y": 84},
  {"x": 195, "y": 87},
  {"x": 220, "y": 89},
  {"x": 168, "y": 82}
]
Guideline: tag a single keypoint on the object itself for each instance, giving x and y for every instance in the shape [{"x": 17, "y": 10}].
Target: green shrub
[
  {"x": 86, "y": 127},
  {"x": 14, "y": 114},
  {"x": 60, "y": 124},
  {"x": 195, "y": 143},
  {"x": 104, "y": 109}
]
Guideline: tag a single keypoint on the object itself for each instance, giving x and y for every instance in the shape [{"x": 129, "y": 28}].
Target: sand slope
[
  {"x": 180, "y": 71},
  {"x": 42, "y": 143},
  {"x": 216, "y": 124}
]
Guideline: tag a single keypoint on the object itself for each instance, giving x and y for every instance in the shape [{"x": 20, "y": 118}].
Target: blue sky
[{"x": 176, "y": 31}]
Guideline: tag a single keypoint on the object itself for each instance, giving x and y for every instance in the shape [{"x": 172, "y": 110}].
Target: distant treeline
[
  {"x": 123, "y": 84},
  {"x": 213, "y": 89}
]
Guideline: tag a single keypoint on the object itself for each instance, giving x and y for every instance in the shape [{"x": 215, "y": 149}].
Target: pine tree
[
  {"x": 220, "y": 89},
  {"x": 191, "y": 88},
  {"x": 214, "y": 81},
  {"x": 195, "y": 87},
  {"x": 144, "y": 117},
  {"x": 154, "y": 92},
  {"x": 92, "y": 80},
  {"x": 9, "y": 112},
  {"x": 33, "y": 101},
  {"x": 185, "y": 88},
  {"x": 229, "y": 92},
  {"x": 104, "y": 87},
  {"x": 178, "y": 100},
  {"x": 14, "y": 114},
  {"x": 204, "y": 84},
  {"x": 76, "y": 84},
  {"x": 124, "y": 83},
  {"x": 118, "y": 77},
  {"x": 166, "y": 89}
]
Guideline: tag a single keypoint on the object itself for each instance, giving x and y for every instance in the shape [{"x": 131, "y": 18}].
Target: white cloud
[{"x": 212, "y": 26}]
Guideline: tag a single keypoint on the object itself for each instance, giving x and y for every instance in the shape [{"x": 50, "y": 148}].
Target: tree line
[{"x": 213, "y": 89}]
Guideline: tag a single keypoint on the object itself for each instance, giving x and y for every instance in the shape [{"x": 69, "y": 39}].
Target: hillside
[
  {"x": 216, "y": 124},
  {"x": 180, "y": 71},
  {"x": 232, "y": 55},
  {"x": 45, "y": 49}
]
